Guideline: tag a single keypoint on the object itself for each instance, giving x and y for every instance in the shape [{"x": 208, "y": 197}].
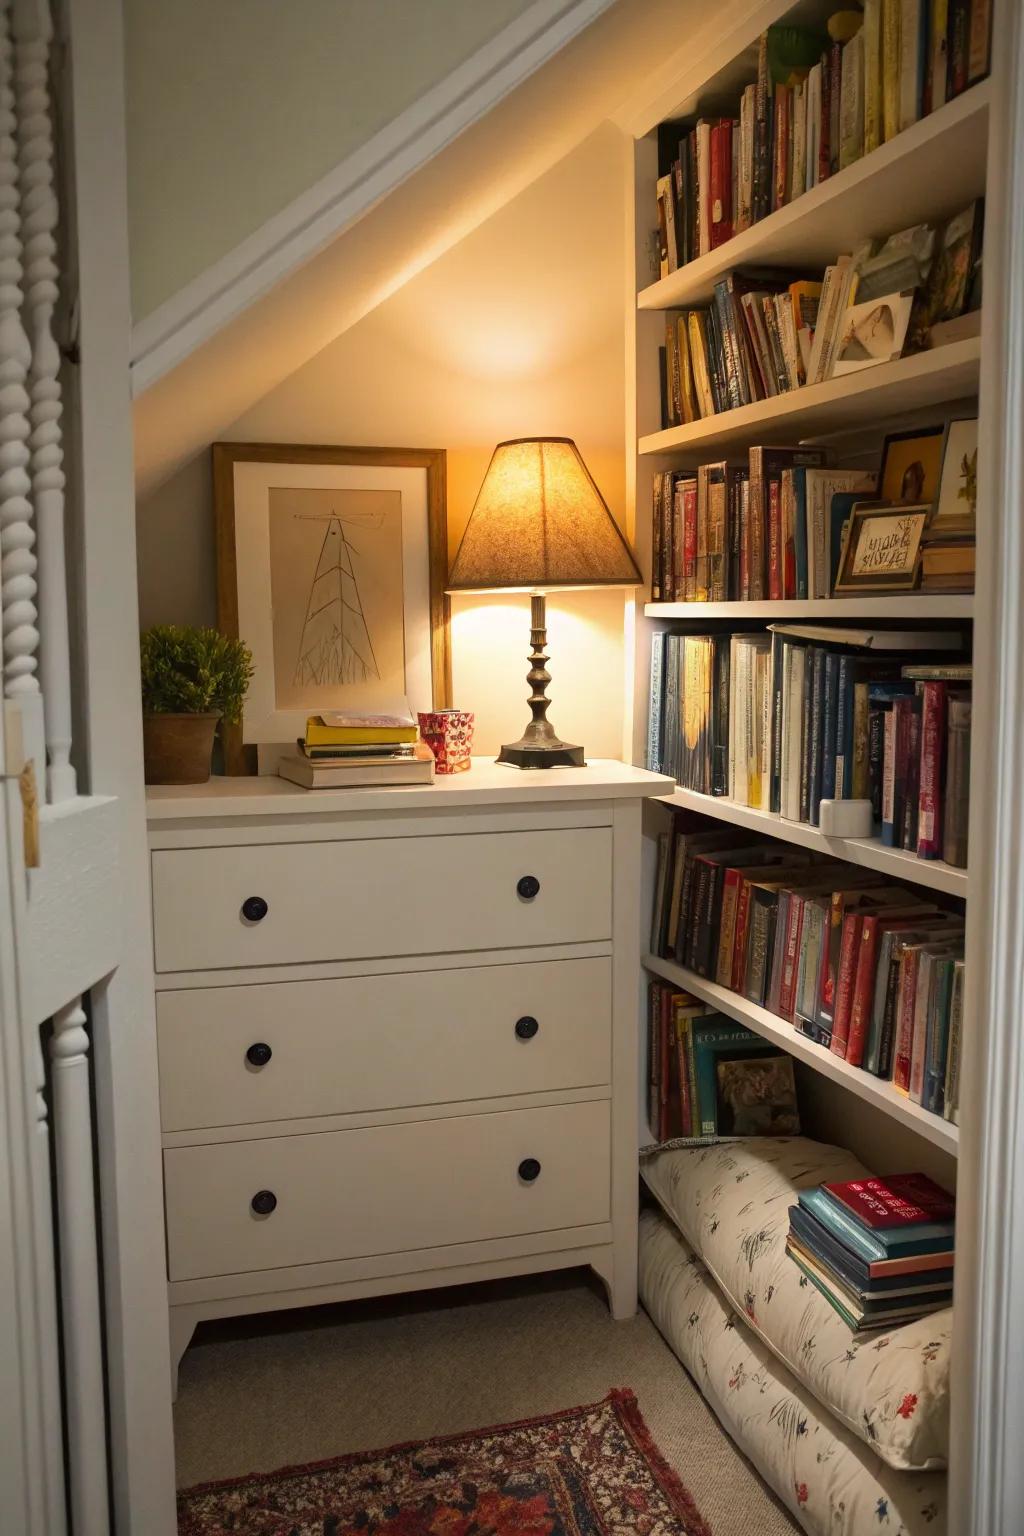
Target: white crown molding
[{"x": 184, "y": 322}]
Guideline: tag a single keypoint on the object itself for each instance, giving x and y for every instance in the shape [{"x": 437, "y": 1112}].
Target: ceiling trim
[{"x": 210, "y": 301}]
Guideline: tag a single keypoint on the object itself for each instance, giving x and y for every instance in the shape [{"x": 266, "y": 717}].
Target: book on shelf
[
  {"x": 358, "y": 770},
  {"x": 870, "y": 970},
  {"x": 814, "y": 106},
  {"x": 901, "y": 1200}
]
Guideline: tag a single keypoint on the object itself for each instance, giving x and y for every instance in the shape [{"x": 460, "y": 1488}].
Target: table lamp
[{"x": 539, "y": 523}]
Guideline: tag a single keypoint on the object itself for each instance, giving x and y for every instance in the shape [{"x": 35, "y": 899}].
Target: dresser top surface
[{"x": 487, "y": 783}]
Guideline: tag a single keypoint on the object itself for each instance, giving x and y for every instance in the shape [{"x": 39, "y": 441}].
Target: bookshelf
[
  {"x": 926, "y": 173},
  {"x": 872, "y": 1090},
  {"x": 928, "y": 379}
]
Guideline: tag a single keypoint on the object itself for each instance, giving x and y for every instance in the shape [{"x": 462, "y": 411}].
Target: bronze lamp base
[{"x": 538, "y": 746}]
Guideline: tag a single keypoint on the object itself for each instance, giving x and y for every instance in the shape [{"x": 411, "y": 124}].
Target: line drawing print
[{"x": 335, "y": 645}]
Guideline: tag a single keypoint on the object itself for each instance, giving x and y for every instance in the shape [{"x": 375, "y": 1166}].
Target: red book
[
  {"x": 787, "y": 514},
  {"x": 690, "y": 541},
  {"x": 825, "y": 125},
  {"x": 739, "y": 953},
  {"x": 933, "y": 742},
  {"x": 794, "y": 928},
  {"x": 683, "y": 1069},
  {"x": 721, "y": 183},
  {"x": 904, "y": 1043},
  {"x": 900, "y": 1200},
  {"x": 774, "y": 540},
  {"x": 835, "y": 86},
  {"x": 849, "y": 948},
  {"x": 780, "y": 169},
  {"x": 863, "y": 990}
]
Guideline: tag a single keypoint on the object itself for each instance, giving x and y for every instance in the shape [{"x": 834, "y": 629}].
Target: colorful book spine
[{"x": 933, "y": 743}]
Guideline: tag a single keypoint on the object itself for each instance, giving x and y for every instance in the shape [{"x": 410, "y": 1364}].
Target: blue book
[
  {"x": 815, "y": 734},
  {"x": 937, "y": 1038},
  {"x": 800, "y": 527},
  {"x": 880, "y": 1242},
  {"x": 656, "y": 717},
  {"x": 829, "y": 1250},
  {"x": 775, "y": 765},
  {"x": 829, "y": 726},
  {"x": 844, "y": 729}
]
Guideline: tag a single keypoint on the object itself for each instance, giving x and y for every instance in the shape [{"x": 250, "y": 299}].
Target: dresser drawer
[
  {"x": 350, "y": 1194},
  {"x": 381, "y": 1042},
  {"x": 383, "y": 896}
]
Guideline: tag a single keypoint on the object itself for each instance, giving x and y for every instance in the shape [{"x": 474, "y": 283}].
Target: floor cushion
[
  {"x": 828, "y": 1479},
  {"x": 731, "y": 1204}
]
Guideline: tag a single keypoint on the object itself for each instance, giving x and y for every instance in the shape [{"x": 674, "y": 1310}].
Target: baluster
[
  {"x": 33, "y": 31},
  {"x": 17, "y": 539},
  {"x": 79, "y": 1272},
  {"x": 46, "y": 1304}
]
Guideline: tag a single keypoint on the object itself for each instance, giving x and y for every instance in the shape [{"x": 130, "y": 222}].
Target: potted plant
[{"x": 191, "y": 679}]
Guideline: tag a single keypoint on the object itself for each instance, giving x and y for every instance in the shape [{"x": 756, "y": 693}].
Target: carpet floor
[{"x": 261, "y": 1393}]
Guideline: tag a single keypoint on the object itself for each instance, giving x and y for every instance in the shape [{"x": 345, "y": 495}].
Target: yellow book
[
  {"x": 873, "y": 73},
  {"x": 341, "y": 729},
  {"x": 890, "y": 69}
]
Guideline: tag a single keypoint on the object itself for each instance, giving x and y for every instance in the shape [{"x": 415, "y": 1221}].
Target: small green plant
[{"x": 188, "y": 671}]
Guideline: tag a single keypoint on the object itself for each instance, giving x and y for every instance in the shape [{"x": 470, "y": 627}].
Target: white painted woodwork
[
  {"x": 108, "y": 747},
  {"x": 353, "y": 1193},
  {"x": 33, "y": 31},
  {"x": 379, "y": 897},
  {"x": 50, "y": 1397},
  {"x": 909, "y": 384},
  {"x": 17, "y": 536},
  {"x": 871, "y": 852},
  {"x": 79, "y": 1263},
  {"x": 422, "y": 1037}
]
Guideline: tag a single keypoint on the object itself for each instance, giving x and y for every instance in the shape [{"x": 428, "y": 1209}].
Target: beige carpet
[{"x": 262, "y": 1393}]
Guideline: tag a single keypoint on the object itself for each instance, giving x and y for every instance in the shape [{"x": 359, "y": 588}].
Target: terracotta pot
[{"x": 178, "y": 748}]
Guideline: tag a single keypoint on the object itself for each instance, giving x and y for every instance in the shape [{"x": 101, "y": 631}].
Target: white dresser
[{"x": 397, "y": 1033}]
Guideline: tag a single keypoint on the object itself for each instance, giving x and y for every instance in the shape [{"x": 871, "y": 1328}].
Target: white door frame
[
  {"x": 987, "y": 1416},
  {"x": 109, "y": 734}
]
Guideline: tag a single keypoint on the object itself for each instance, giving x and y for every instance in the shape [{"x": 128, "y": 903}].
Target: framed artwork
[
  {"x": 957, "y": 500},
  {"x": 912, "y": 464},
  {"x": 882, "y": 549},
  {"x": 331, "y": 565}
]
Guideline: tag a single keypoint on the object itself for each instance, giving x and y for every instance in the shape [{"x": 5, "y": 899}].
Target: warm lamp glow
[{"x": 539, "y": 521}]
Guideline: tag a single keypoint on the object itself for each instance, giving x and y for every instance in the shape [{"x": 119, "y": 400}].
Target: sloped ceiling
[{"x": 490, "y": 163}]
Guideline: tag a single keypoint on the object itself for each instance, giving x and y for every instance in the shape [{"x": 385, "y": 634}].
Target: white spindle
[
  {"x": 33, "y": 30},
  {"x": 17, "y": 539},
  {"x": 46, "y": 1305},
  {"x": 79, "y": 1272}
]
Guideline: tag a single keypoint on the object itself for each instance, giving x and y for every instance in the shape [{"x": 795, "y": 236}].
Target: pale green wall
[{"x": 235, "y": 107}]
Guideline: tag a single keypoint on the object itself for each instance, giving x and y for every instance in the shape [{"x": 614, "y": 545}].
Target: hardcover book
[{"x": 900, "y": 1200}]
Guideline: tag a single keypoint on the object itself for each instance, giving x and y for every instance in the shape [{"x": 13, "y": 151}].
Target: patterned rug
[{"x": 590, "y": 1471}]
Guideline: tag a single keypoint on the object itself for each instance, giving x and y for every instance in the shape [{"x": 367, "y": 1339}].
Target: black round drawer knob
[
  {"x": 259, "y": 1054},
  {"x": 264, "y": 1201},
  {"x": 529, "y": 1169},
  {"x": 528, "y": 886},
  {"x": 254, "y": 909},
  {"x": 526, "y": 1027}
]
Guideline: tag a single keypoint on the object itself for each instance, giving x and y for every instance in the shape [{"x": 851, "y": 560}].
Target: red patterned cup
[{"x": 449, "y": 735}]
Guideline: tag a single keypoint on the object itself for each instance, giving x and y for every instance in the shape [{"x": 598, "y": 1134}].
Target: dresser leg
[
  {"x": 618, "y": 1273},
  {"x": 183, "y": 1325}
]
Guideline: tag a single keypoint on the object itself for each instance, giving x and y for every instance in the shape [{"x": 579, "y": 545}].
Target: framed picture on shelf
[
  {"x": 873, "y": 332},
  {"x": 912, "y": 465},
  {"x": 331, "y": 565},
  {"x": 882, "y": 549},
  {"x": 957, "y": 500}
]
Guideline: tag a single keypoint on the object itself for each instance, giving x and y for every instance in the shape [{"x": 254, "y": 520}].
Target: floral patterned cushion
[
  {"x": 830, "y": 1482},
  {"x": 731, "y": 1203}
]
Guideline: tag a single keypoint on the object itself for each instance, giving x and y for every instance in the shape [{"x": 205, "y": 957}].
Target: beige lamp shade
[{"x": 539, "y": 521}]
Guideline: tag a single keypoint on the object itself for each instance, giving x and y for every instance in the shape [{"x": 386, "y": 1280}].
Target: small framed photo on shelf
[
  {"x": 873, "y": 332},
  {"x": 957, "y": 499},
  {"x": 882, "y": 549},
  {"x": 331, "y": 565},
  {"x": 912, "y": 465}
]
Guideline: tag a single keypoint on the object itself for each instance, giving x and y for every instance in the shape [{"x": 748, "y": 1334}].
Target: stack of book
[
  {"x": 865, "y": 968},
  {"x": 344, "y": 749},
  {"x": 880, "y": 1251},
  {"x": 782, "y": 719},
  {"x": 709, "y": 1076},
  {"x": 818, "y": 104}
]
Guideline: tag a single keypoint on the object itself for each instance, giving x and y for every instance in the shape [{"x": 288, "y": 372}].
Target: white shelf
[
  {"x": 928, "y": 172},
  {"x": 871, "y": 395},
  {"x": 899, "y": 608},
  {"x": 873, "y": 1090},
  {"x": 865, "y": 851}
]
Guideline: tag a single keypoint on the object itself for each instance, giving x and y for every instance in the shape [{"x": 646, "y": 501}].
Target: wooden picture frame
[
  {"x": 896, "y": 563},
  {"x": 914, "y": 457},
  {"x": 243, "y": 488}
]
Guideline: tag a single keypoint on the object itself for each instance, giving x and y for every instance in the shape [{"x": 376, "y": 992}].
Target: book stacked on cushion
[
  {"x": 343, "y": 749},
  {"x": 879, "y": 1250}
]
